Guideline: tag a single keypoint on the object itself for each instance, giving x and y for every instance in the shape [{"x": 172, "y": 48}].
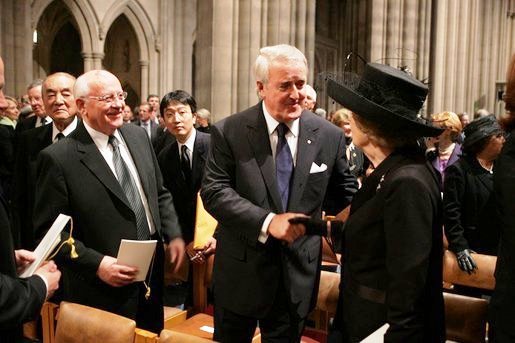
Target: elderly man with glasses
[{"x": 105, "y": 175}]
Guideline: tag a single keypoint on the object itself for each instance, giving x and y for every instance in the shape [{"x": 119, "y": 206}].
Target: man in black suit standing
[
  {"x": 59, "y": 104},
  {"x": 146, "y": 122},
  {"x": 268, "y": 164},
  {"x": 20, "y": 299},
  {"x": 105, "y": 175},
  {"x": 34, "y": 91},
  {"x": 182, "y": 164}
]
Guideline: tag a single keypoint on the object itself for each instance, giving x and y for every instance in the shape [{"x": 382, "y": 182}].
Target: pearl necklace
[{"x": 489, "y": 169}]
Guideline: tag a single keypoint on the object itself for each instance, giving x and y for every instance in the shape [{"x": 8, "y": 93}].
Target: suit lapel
[
  {"x": 138, "y": 157},
  {"x": 257, "y": 135},
  {"x": 199, "y": 158},
  {"x": 44, "y": 138},
  {"x": 307, "y": 146},
  {"x": 175, "y": 167},
  {"x": 95, "y": 162}
]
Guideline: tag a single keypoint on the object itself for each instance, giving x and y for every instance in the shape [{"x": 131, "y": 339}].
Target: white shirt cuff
[
  {"x": 45, "y": 281},
  {"x": 263, "y": 235}
]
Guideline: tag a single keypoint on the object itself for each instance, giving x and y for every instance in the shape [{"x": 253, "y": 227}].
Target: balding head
[{"x": 57, "y": 90}]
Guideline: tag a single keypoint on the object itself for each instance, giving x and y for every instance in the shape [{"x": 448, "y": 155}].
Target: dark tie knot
[
  {"x": 113, "y": 141},
  {"x": 59, "y": 136},
  {"x": 282, "y": 129},
  {"x": 184, "y": 149}
]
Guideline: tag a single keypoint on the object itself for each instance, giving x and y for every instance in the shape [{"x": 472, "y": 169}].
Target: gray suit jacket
[{"x": 240, "y": 189}]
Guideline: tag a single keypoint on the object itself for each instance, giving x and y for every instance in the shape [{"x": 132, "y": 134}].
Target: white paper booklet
[
  {"x": 137, "y": 254},
  {"x": 377, "y": 336},
  {"x": 47, "y": 245}
]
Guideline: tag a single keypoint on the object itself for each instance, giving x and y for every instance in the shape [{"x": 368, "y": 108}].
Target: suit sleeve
[
  {"x": 408, "y": 226},
  {"x": 453, "y": 197},
  {"x": 20, "y": 300},
  {"x": 219, "y": 196},
  {"x": 51, "y": 199},
  {"x": 342, "y": 184},
  {"x": 170, "y": 226}
]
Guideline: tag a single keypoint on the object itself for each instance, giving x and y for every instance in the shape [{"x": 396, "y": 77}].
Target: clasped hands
[
  {"x": 118, "y": 275},
  {"x": 48, "y": 270}
]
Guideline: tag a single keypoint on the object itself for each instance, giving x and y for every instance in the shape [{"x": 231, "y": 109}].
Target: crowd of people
[{"x": 267, "y": 174}]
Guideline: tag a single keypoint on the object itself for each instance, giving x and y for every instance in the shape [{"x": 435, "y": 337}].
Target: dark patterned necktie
[
  {"x": 59, "y": 136},
  {"x": 185, "y": 165},
  {"x": 130, "y": 189},
  {"x": 283, "y": 164}
]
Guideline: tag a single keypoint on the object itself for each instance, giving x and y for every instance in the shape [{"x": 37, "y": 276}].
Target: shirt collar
[
  {"x": 67, "y": 130},
  {"x": 101, "y": 139},
  {"x": 272, "y": 123},
  {"x": 190, "y": 142}
]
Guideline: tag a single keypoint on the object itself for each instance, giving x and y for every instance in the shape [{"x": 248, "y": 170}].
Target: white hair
[
  {"x": 310, "y": 91},
  {"x": 278, "y": 53},
  {"x": 87, "y": 80}
]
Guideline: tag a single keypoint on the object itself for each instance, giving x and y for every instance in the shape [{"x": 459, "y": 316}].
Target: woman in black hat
[
  {"x": 470, "y": 216},
  {"x": 392, "y": 252}
]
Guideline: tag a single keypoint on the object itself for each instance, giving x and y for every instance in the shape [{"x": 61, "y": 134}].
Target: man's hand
[
  {"x": 281, "y": 228},
  {"x": 199, "y": 256},
  {"x": 114, "y": 274},
  {"x": 176, "y": 250},
  {"x": 465, "y": 261},
  {"x": 23, "y": 258},
  {"x": 51, "y": 274}
]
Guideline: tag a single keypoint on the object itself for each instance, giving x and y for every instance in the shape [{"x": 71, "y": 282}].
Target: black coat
[
  {"x": 74, "y": 179},
  {"x": 7, "y": 146},
  {"x": 184, "y": 195},
  {"x": 470, "y": 216},
  {"x": 20, "y": 299},
  {"x": 30, "y": 143},
  {"x": 503, "y": 299},
  {"x": 392, "y": 255}
]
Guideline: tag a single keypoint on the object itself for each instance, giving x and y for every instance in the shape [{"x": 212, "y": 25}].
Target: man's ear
[
  {"x": 260, "y": 86},
  {"x": 81, "y": 106}
]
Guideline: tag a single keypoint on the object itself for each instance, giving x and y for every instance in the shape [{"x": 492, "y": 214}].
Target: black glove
[
  {"x": 465, "y": 261},
  {"x": 316, "y": 226}
]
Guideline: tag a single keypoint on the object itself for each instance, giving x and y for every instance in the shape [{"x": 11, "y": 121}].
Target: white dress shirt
[
  {"x": 190, "y": 143},
  {"x": 67, "y": 130}
]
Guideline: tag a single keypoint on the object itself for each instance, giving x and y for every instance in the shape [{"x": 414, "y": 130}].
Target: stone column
[
  {"x": 88, "y": 61},
  {"x": 229, "y": 35},
  {"x": 97, "y": 58},
  {"x": 144, "y": 79}
]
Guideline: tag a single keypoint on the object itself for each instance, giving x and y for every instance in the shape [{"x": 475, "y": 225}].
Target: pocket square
[{"x": 315, "y": 168}]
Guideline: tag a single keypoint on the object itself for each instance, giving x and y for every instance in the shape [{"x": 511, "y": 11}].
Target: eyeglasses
[{"x": 110, "y": 98}]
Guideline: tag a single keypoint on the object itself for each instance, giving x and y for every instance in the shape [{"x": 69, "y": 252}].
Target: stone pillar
[
  {"x": 88, "y": 61},
  {"x": 97, "y": 58},
  {"x": 229, "y": 35},
  {"x": 144, "y": 79}
]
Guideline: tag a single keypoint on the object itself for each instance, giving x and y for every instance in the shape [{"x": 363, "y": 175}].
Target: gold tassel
[
  {"x": 147, "y": 294},
  {"x": 70, "y": 242}
]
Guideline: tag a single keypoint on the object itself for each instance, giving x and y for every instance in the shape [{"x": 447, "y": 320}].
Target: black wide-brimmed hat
[
  {"x": 481, "y": 128},
  {"x": 385, "y": 95}
]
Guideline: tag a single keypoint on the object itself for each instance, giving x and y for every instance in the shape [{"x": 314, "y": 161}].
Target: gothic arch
[
  {"x": 138, "y": 18},
  {"x": 86, "y": 20}
]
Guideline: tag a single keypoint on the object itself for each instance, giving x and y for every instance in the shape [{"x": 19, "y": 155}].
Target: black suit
[
  {"x": 163, "y": 139},
  {"x": 20, "y": 300},
  {"x": 26, "y": 124},
  {"x": 30, "y": 143},
  {"x": 393, "y": 255},
  {"x": 503, "y": 299},
  {"x": 74, "y": 179},
  {"x": 240, "y": 190},
  {"x": 7, "y": 147},
  {"x": 184, "y": 195}
]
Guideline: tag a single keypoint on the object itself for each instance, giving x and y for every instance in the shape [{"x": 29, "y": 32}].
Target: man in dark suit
[
  {"x": 59, "y": 104},
  {"x": 146, "y": 122},
  {"x": 36, "y": 102},
  {"x": 20, "y": 300},
  {"x": 182, "y": 164},
  {"x": 268, "y": 164},
  {"x": 105, "y": 175}
]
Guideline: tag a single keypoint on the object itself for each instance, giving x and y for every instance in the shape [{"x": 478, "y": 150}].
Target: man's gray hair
[
  {"x": 35, "y": 83},
  {"x": 278, "y": 53},
  {"x": 204, "y": 114},
  {"x": 86, "y": 80}
]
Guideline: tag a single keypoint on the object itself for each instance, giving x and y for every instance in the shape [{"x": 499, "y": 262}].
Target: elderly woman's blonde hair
[
  {"x": 449, "y": 121},
  {"x": 341, "y": 117}
]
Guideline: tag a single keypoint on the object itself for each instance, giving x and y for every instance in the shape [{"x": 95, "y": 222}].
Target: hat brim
[{"x": 362, "y": 106}]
